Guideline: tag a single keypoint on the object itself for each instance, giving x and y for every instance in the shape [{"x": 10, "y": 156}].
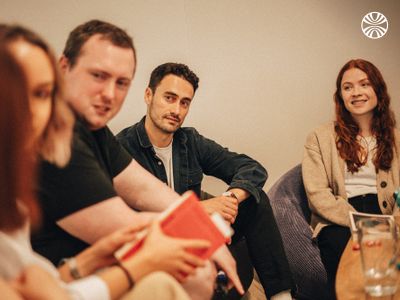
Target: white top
[
  {"x": 364, "y": 181},
  {"x": 16, "y": 253},
  {"x": 165, "y": 155}
]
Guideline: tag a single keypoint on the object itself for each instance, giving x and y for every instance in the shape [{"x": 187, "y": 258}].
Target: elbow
[{"x": 263, "y": 173}]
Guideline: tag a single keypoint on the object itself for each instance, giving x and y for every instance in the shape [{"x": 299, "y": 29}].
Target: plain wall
[{"x": 267, "y": 68}]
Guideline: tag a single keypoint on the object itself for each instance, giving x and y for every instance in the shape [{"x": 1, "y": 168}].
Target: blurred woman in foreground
[{"x": 34, "y": 123}]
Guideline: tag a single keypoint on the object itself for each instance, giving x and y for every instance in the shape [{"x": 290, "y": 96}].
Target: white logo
[{"x": 374, "y": 25}]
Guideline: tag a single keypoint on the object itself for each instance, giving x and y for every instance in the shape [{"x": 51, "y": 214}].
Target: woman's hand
[
  {"x": 223, "y": 258},
  {"x": 163, "y": 253},
  {"x": 7, "y": 291},
  {"x": 35, "y": 283},
  {"x": 101, "y": 253}
]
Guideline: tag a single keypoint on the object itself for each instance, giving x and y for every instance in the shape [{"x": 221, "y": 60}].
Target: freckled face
[{"x": 358, "y": 94}]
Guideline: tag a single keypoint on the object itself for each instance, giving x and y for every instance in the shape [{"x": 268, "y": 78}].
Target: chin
[
  {"x": 169, "y": 130},
  {"x": 96, "y": 125}
]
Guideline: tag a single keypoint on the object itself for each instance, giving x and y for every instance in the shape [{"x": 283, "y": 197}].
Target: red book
[{"x": 186, "y": 218}]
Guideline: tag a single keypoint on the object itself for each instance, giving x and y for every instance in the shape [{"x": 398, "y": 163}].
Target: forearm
[
  {"x": 335, "y": 209},
  {"x": 142, "y": 191},
  {"x": 154, "y": 196},
  {"x": 86, "y": 264},
  {"x": 85, "y": 224},
  {"x": 242, "y": 173},
  {"x": 237, "y": 170},
  {"x": 116, "y": 281},
  {"x": 323, "y": 201}
]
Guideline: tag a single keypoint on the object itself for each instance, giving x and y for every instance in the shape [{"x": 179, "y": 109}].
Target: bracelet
[
  {"x": 72, "y": 266},
  {"x": 127, "y": 274},
  {"x": 230, "y": 194}
]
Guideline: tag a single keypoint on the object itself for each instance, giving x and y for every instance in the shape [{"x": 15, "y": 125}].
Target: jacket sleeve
[
  {"x": 318, "y": 186},
  {"x": 236, "y": 170}
]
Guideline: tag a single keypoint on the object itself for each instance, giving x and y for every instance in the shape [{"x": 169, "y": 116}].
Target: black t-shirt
[{"x": 97, "y": 157}]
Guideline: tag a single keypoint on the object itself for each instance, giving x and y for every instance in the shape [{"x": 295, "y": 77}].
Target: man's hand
[
  {"x": 223, "y": 258},
  {"x": 226, "y": 206}
]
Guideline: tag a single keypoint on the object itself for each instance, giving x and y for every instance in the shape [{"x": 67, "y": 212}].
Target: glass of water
[{"x": 377, "y": 238}]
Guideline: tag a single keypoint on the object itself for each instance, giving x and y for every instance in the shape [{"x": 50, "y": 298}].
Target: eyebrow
[
  {"x": 363, "y": 79},
  {"x": 46, "y": 84},
  {"x": 109, "y": 74},
  {"x": 125, "y": 78},
  {"x": 176, "y": 95},
  {"x": 170, "y": 93}
]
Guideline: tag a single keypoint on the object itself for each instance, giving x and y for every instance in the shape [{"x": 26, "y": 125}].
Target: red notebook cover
[{"x": 185, "y": 219}]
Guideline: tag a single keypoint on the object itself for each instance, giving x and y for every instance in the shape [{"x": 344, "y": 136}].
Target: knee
[
  {"x": 157, "y": 285},
  {"x": 201, "y": 284},
  {"x": 162, "y": 279}
]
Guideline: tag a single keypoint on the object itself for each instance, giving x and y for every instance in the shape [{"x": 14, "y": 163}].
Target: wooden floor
[{"x": 256, "y": 291}]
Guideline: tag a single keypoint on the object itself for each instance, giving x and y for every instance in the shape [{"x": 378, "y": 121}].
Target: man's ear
[
  {"x": 63, "y": 64},
  {"x": 148, "y": 95}
]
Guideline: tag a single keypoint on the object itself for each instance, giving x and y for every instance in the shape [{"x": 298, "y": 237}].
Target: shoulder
[
  {"x": 128, "y": 132},
  {"x": 327, "y": 129},
  {"x": 84, "y": 137},
  {"x": 397, "y": 140},
  {"x": 397, "y": 135},
  {"x": 322, "y": 134},
  {"x": 189, "y": 131},
  {"x": 191, "y": 135},
  {"x": 134, "y": 138}
]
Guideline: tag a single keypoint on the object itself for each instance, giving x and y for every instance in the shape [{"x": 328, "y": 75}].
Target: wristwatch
[{"x": 72, "y": 266}]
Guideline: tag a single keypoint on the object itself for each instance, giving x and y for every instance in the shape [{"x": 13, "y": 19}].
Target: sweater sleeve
[
  {"x": 88, "y": 288},
  {"x": 322, "y": 200}
]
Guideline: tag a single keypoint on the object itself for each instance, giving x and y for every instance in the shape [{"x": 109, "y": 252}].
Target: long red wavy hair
[
  {"x": 382, "y": 126},
  {"x": 17, "y": 172}
]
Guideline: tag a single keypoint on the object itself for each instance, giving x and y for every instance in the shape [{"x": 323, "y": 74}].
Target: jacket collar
[{"x": 142, "y": 134}]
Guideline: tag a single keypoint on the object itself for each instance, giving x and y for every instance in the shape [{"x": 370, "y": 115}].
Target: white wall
[{"x": 267, "y": 68}]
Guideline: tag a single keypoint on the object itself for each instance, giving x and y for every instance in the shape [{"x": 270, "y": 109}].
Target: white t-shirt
[
  {"x": 363, "y": 181},
  {"x": 16, "y": 253},
  {"x": 165, "y": 155}
]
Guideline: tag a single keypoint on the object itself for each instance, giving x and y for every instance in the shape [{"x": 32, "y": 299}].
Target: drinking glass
[{"x": 377, "y": 238}]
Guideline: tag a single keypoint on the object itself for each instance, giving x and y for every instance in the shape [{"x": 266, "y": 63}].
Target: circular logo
[{"x": 374, "y": 25}]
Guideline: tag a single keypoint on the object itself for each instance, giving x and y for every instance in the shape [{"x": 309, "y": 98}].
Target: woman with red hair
[{"x": 351, "y": 164}]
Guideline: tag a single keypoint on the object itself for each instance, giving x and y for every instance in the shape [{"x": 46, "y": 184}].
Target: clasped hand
[{"x": 227, "y": 207}]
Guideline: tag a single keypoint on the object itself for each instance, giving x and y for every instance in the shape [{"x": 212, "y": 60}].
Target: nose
[
  {"x": 108, "y": 91},
  {"x": 356, "y": 91},
  {"x": 176, "y": 108}
]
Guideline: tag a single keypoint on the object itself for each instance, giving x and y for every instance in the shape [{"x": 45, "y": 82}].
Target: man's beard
[{"x": 164, "y": 129}]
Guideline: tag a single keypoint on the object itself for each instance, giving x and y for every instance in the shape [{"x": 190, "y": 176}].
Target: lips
[
  {"x": 358, "y": 102},
  {"x": 101, "y": 109},
  {"x": 175, "y": 120}
]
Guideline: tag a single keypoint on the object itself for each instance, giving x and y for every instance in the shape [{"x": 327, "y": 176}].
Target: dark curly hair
[
  {"x": 382, "y": 127},
  {"x": 176, "y": 69}
]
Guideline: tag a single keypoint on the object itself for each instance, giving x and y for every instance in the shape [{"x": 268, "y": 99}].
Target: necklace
[{"x": 367, "y": 146}]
